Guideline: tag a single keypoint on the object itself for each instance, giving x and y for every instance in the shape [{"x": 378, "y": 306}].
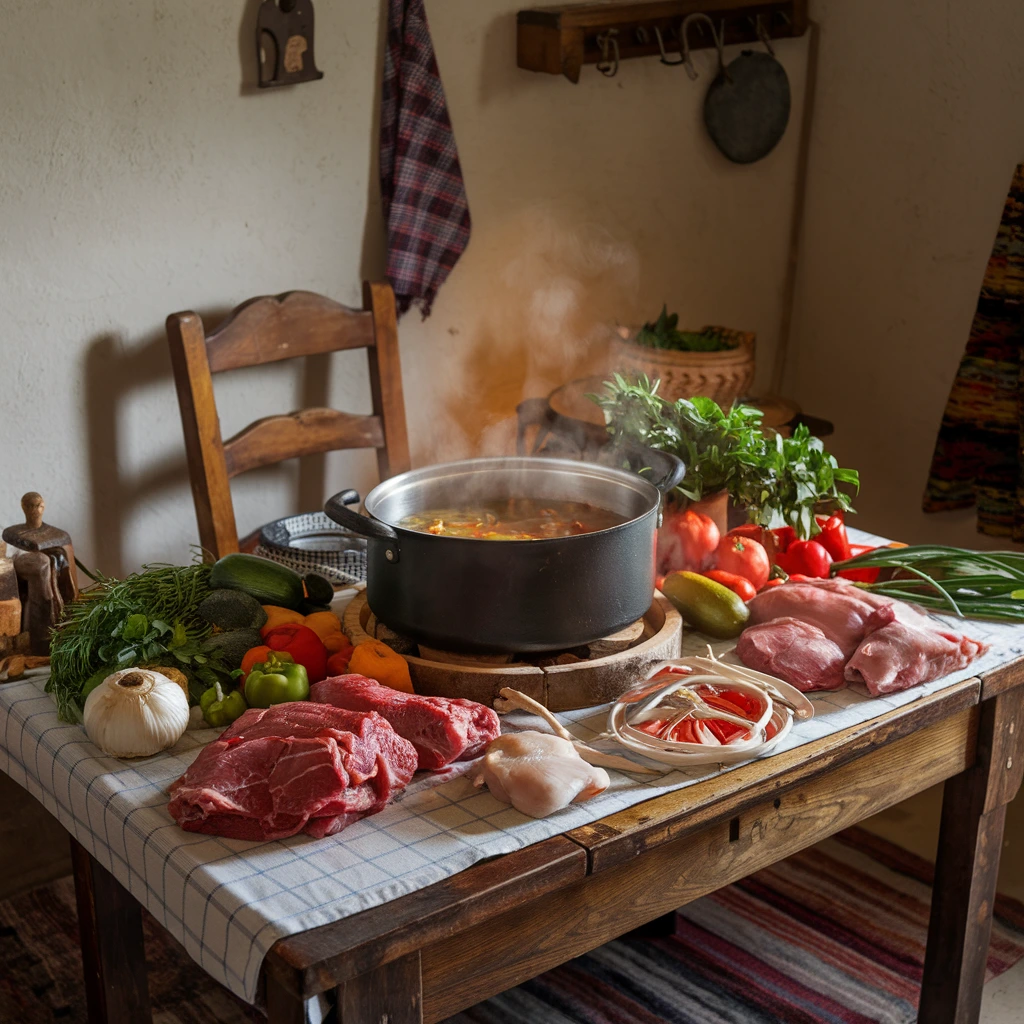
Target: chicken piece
[
  {"x": 899, "y": 656},
  {"x": 538, "y": 774},
  {"x": 795, "y": 651},
  {"x": 841, "y": 611}
]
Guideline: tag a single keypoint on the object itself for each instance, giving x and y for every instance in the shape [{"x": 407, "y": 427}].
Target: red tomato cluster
[{"x": 742, "y": 560}]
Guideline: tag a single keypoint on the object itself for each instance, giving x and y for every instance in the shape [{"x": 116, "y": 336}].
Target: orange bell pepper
[
  {"x": 324, "y": 624},
  {"x": 254, "y": 656},
  {"x": 335, "y": 642},
  {"x": 377, "y": 661}
]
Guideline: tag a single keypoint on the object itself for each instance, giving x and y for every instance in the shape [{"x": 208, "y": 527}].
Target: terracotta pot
[{"x": 723, "y": 376}]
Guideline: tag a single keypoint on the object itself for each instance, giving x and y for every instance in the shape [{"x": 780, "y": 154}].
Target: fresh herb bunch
[
  {"x": 146, "y": 618},
  {"x": 664, "y": 334},
  {"x": 972, "y": 584},
  {"x": 781, "y": 480}
]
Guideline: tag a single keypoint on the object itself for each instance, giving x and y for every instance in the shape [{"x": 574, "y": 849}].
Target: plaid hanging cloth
[
  {"x": 422, "y": 191},
  {"x": 978, "y": 455}
]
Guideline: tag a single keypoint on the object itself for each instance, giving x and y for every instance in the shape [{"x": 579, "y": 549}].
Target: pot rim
[{"x": 632, "y": 480}]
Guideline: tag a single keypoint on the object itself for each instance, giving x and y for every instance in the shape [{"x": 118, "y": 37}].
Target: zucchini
[{"x": 267, "y": 581}]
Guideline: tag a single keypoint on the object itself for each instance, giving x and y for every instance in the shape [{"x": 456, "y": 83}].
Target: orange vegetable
[
  {"x": 337, "y": 663},
  {"x": 335, "y": 642},
  {"x": 324, "y": 624},
  {"x": 377, "y": 661},
  {"x": 254, "y": 656},
  {"x": 277, "y": 616}
]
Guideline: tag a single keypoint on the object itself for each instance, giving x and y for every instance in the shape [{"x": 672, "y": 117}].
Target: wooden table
[{"x": 434, "y": 952}]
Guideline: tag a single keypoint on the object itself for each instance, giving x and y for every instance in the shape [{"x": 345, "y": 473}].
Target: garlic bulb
[{"x": 135, "y": 713}]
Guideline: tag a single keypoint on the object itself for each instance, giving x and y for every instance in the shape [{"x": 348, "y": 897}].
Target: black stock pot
[{"x": 468, "y": 594}]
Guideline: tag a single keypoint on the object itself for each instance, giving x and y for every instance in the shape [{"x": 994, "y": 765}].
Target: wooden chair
[{"x": 265, "y": 330}]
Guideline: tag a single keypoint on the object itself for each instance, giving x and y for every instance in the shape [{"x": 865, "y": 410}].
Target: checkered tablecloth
[{"x": 228, "y": 901}]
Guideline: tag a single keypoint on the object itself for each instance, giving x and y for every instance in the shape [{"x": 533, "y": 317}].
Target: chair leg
[{"x": 113, "y": 949}]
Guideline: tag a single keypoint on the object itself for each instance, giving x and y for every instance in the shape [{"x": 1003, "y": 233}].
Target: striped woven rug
[{"x": 834, "y": 934}]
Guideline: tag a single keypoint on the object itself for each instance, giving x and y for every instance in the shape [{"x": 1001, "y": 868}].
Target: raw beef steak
[
  {"x": 441, "y": 729},
  {"x": 793, "y": 650},
  {"x": 291, "y": 768}
]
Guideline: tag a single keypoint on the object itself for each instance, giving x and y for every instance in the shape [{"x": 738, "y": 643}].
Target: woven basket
[{"x": 723, "y": 376}]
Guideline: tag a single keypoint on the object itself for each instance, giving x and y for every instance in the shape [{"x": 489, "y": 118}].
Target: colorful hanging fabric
[
  {"x": 978, "y": 454},
  {"x": 422, "y": 190}
]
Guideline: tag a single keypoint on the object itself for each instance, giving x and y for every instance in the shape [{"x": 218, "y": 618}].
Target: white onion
[{"x": 135, "y": 713}]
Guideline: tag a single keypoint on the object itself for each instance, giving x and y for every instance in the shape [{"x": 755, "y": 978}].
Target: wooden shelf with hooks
[{"x": 560, "y": 40}]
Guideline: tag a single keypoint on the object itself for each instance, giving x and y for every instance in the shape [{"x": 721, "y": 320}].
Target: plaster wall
[{"x": 142, "y": 174}]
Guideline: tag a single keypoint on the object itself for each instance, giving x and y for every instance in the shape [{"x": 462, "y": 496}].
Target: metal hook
[
  {"x": 664, "y": 55},
  {"x": 762, "y": 34},
  {"x": 684, "y": 43},
  {"x": 608, "y": 41}
]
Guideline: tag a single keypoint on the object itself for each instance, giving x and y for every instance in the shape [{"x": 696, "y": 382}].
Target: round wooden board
[{"x": 559, "y": 687}]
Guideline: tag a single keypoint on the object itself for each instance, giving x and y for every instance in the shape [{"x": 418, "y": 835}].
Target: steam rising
[{"x": 549, "y": 293}]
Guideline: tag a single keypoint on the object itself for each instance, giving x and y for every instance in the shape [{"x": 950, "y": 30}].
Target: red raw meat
[
  {"x": 837, "y": 608},
  {"x": 291, "y": 768},
  {"x": 793, "y": 650},
  {"x": 441, "y": 729},
  {"x": 899, "y": 656}
]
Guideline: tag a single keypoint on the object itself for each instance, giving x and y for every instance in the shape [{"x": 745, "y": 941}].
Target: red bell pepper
[
  {"x": 860, "y": 575},
  {"x": 305, "y": 647},
  {"x": 737, "y": 584},
  {"x": 805, "y": 557},
  {"x": 784, "y": 536},
  {"x": 833, "y": 537}
]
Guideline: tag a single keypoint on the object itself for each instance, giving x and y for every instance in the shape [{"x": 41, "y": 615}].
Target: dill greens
[
  {"x": 779, "y": 480},
  {"x": 148, "y": 616},
  {"x": 664, "y": 333}
]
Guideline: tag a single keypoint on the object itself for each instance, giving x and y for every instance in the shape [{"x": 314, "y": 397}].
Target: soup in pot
[{"x": 514, "y": 519}]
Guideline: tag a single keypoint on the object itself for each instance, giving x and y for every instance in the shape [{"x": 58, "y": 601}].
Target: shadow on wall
[{"x": 113, "y": 374}]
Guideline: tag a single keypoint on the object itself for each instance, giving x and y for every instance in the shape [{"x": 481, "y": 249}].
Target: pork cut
[
  {"x": 899, "y": 656},
  {"x": 291, "y": 768},
  {"x": 795, "y": 651},
  {"x": 838, "y": 609},
  {"x": 441, "y": 729}
]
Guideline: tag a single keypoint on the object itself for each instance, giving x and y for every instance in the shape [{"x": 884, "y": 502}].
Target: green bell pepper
[
  {"x": 220, "y": 709},
  {"x": 276, "y": 681}
]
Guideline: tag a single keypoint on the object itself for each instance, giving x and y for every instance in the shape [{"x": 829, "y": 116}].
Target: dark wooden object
[
  {"x": 113, "y": 950},
  {"x": 287, "y": 25},
  {"x": 560, "y": 40},
  {"x": 266, "y": 330},
  {"x": 970, "y": 842},
  {"x": 434, "y": 952}
]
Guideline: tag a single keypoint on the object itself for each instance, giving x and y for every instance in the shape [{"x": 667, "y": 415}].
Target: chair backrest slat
[
  {"x": 264, "y": 330},
  {"x": 309, "y": 432},
  {"x": 287, "y": 326}
]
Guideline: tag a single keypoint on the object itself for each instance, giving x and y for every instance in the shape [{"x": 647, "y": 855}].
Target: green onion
[{"x": 971, "y": 584}]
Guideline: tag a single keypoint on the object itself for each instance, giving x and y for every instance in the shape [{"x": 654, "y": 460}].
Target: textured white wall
[
  {"x": 918, "y": 131},
  {"x": 141, "y": 175}
]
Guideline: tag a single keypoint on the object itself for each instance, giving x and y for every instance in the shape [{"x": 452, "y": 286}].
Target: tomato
[
  {"x": 743, "y": 557},
  {"x": 686, "y": 541},
  {"x": 736, "y": 583},
  {"x": 763, "y": 536}
]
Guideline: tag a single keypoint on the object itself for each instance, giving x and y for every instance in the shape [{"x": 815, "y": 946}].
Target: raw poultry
[
  {"x": 819, "y": 635},
  {"x": 538, "y": 773}
]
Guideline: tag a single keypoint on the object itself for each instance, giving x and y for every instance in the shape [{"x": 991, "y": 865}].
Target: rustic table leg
[
  {"x": 391, "y": 994},
  {"x": 283, "y": 1007},
  {"x": 970, "y": 842},
  {"x": 113, "y": 950}
]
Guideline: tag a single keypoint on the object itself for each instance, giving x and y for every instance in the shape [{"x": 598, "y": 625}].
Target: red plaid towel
[{"x": 421, "y": 181}]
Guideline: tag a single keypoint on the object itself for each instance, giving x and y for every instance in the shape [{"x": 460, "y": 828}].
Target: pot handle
[
  {"x": 666, "y": 470},
  {"x": 337, "y": 508}
]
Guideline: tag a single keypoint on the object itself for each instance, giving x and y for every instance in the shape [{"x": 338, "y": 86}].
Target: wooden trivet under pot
[{"x": 562, "y": 682}]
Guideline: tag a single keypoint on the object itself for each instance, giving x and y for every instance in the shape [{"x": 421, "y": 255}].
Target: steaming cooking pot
[{"x": 460, "y": 593}]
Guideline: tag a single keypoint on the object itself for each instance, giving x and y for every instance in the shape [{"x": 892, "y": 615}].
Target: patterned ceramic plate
[{"x": 312, "y": 542}]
